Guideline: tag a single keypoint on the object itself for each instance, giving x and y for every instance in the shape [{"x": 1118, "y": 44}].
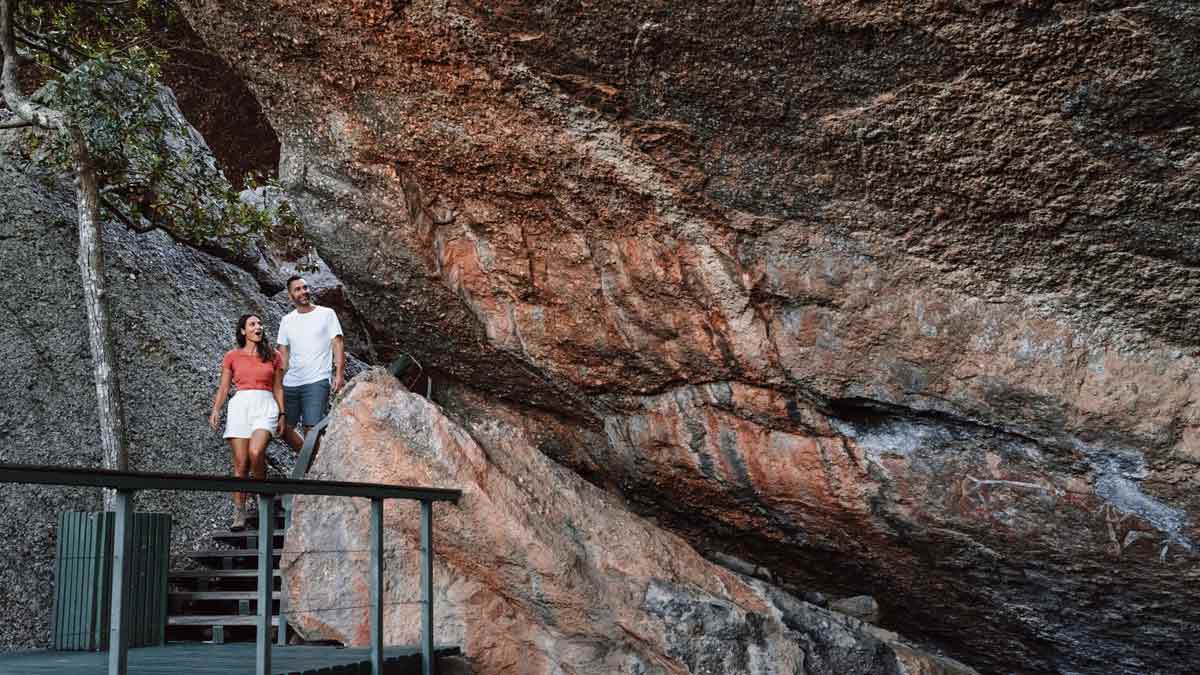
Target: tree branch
[
  {"x": 25, "y": 58},
  {"x": 120, "y": 215},
  {"x": 58, "y": 64},
  {"x": 15, "y": 122},
  {"x": 55, "y": 48},
  {"x": 19, "y": 104}
]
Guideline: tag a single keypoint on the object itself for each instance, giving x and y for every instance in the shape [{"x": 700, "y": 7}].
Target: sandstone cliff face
[
  {"x": 538, "y": 571},
  {"x": 890, "y": 297}
]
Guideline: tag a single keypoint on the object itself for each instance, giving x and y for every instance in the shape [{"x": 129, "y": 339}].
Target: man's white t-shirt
[{"x": 308, "y": 337}]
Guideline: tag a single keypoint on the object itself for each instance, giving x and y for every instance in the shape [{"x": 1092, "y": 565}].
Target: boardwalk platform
[{"x": 226, "y": 659}]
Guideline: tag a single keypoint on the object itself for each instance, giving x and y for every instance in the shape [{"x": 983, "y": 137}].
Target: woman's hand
[
  {"x": 280, "y": 426},
  {"x": 214, "y": 420}
]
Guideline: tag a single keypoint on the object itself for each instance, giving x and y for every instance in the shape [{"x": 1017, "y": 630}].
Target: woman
[{"x": 255, "y": 410}]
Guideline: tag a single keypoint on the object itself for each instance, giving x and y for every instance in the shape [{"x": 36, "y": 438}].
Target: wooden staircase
[{"x": 217, "y": 599}]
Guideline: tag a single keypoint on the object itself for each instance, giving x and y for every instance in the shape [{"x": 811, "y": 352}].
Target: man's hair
[{"x": 294, "y": 277}]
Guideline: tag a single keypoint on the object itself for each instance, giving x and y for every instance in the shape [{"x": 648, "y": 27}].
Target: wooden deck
[{"x": 226, "y": 659}]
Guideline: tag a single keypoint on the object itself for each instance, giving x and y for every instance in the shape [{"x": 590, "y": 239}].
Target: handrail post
[
  {"x": 282, "y": 629},
  {"x": 266, "y": 542},
  {"x": 118, "y": 636},
  {"x": 427, "y": 666},
  {"x": 376, "y": 609}
]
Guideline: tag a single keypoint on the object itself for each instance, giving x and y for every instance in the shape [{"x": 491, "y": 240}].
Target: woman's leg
[
  {"x": 241, "y": 465},
  {"x": 257, "y": 456}
]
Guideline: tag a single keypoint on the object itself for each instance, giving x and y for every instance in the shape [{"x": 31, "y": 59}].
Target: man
[{"x": 308, "y": 336}]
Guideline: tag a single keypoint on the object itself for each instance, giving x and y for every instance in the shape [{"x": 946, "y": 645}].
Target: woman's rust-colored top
[{"x": 251, "y": 372}]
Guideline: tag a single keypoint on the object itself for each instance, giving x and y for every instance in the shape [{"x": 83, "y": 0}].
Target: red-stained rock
[
  {"x": 538, "y": 571},
  {"x": 888, "y": 298}
]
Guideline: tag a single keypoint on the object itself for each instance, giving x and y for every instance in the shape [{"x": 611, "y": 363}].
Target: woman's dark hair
[{"x": 263, "y": 347}]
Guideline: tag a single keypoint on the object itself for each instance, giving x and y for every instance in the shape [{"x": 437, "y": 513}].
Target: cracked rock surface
[
  {"x": 536, "y": 571},
  {"x": 889, "y": 298}
]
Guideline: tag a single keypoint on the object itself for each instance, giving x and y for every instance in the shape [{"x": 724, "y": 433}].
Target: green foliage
[
  {"x": 75, "y": 31},
  {"x": 152, "y": 166}
]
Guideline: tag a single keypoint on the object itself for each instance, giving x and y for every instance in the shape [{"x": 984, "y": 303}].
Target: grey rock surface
[
  {"x": 276, "y": 263},
  {"x": 861, "y": 607},
  {"x": 173, "y": 311}
]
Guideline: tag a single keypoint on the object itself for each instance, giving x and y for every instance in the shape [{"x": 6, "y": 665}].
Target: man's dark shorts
[{"x": 307, "y": 403}]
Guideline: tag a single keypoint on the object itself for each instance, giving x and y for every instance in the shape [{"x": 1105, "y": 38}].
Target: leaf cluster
[{"x": 154, "y": 169}]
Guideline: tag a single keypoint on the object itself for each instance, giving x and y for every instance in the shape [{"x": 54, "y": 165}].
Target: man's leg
[
  {"x": 315, "y": 405},
  {"x": 293, "y": 400},
  {"x": 294, "y": 440}
]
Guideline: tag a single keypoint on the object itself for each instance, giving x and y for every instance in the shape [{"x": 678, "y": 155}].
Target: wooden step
[
  {"x": 252, "y": 519},
  {"x": 247, "y": 539},
  {"x": 231, "y": 553},
  {"x": 278, "y": 530},
  {"x": 217, "y": 620},
  {"x": 219, "y": 595},
  {"x": 214, "y": 574},
  {"x": 229, "y": 534}
]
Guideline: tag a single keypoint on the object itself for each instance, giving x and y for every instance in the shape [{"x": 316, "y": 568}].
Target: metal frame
[
  {"x": 266, "y": 542},
  {"x": 426, "y": 588},
  {"x": 376, "y": 610},
  {"x": 305, "y": 459},
  {"x": 118, "y": 639},
  {"x": 134, "y": 480},
  {"x": 128, "y": 482}
]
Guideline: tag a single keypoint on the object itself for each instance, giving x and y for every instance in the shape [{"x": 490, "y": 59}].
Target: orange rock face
[
  {"x": 890, "y": 298},
  {"x": 538, "y": 571}
]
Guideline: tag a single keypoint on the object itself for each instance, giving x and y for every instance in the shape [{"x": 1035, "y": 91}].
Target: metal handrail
[
  {"x": 304, "y": 459},
  {"x": 182, "y": 482},
  {"x": 126, "y": 483}
]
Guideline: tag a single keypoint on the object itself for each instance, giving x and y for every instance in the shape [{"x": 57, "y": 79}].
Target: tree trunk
[
  {"x": 91, "y": 254},
  {"x": 91, "y": 268}
]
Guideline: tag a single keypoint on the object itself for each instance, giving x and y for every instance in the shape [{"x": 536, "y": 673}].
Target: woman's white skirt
[{"x": 250, "y": 410}]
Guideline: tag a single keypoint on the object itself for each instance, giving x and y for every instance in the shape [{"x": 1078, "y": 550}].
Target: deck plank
[{"x": 195, "y": 659}]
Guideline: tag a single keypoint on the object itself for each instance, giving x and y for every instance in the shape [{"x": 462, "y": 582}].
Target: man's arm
[
  {"x": 339, "y": 351},
  {"x": 283, "y": 355},
  {"x": 339, "y": 363}
]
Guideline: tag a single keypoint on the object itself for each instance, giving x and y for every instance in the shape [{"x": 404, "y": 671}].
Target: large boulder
[
  {"x": 888, "y": 298},
  {"x": 537, "y": 571}
]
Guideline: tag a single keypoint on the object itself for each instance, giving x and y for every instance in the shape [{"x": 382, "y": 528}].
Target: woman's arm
[
  {"x": 214, "y": 419},
  {"x": 277, "y": 388}
]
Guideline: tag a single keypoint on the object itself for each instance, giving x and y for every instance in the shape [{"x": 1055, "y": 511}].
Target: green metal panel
[
  {"x": 83, "y": 574},
  {"x": 78, "y": 602}
]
